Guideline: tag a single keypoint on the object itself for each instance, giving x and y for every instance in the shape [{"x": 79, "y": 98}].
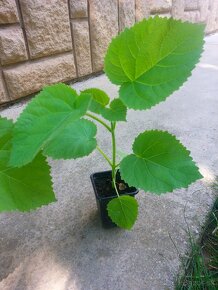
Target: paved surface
[{"x": 62, "y": 246}]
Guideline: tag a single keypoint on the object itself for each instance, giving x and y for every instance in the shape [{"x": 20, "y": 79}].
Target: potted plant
[{"x": 149, "y": 62}]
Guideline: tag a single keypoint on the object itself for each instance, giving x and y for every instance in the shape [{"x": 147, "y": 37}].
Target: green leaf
[
  {"x": 48, "y": 116},
  {"x": 123, "y": 211},
  {"x": 80, "y": 137},
  {"x": 5, "y": 127},
  {"x": 160, "y": 163},
  {"x": 23, "y": 188},
  {"x": 116, "y": 112},
  {"x": 153, "y": 59},
  {"x": 98, "y": 101}
]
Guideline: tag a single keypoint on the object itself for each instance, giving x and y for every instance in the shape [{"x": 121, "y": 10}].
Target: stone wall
[{"x": 48, "y": 41}]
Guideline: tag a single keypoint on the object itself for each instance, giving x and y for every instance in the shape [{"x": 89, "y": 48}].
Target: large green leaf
[
  {"x": 99, "y": 99},
  {"x": 23, "y": 188},
  {"x": 47, "y": 119},
  {"x": 153, "y": 59},
  {"x": 80, "y": 137},
  {"x": 116, "y": 112},
  {"x": 160, "y": 163},
  {"x": 123, "y": 211}
]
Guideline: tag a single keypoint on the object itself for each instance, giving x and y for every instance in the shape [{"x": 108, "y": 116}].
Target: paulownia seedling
[{"x": 148, "y": 62}]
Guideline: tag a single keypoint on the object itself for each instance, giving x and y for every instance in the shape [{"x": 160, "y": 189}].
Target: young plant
[{"x": 149, "y": 62}]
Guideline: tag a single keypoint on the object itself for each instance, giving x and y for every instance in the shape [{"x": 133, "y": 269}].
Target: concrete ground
[{"x": 62, "y": 246}]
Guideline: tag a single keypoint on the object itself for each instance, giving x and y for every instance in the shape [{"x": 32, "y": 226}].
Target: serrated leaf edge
[
  {"x": 138, "y": 23},
  {"x": 136, "y": 212},
  {"x": 24, "y": 111},
  {"x": 176, "y": 188},
  {"x": 51, "y": 183}
]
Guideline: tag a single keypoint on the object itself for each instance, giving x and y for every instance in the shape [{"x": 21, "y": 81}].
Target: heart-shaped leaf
[
  {"x": 159, "y": 163},
  {"x": 152, "y": 59},
  {"x": 123, "y": 211}
]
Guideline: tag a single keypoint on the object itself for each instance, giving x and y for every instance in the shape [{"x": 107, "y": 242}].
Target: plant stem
[
  {"x": 113, "y": 150},
  {"x": 113, "y": 125},
  {"x": 104, "y": 155},
  {"x": 115, "y": 186},
  {"x": 113, "y": 162},
  {"x": 99, "y": 120}
]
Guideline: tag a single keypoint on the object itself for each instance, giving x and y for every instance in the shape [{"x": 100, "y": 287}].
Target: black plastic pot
[{"x": 104, "y": 192}]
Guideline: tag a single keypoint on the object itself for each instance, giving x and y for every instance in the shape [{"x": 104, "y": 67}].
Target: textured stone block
[
  {"x": 212, "y": 17},
  {"x": 82, "y": 46},
  {"x": 103, "y": 26},
  {"x": 12, "y": 45},
  {"x": 204, "y": 9},
  {"x": 78, "y": 9},
  {"x": 29, "y": 78},
  {"x": 158, "y": 6},
  {"x": 47, "y": 26},
  {"x": 177, "y": 9},
  {"x": 192, "y": 16},
  {"x": 191, "y": 4},
  {"x": 142, "y": 9},
  {"x": 8, "y": 12},
  {"x": 126, "y": 13},
  {"x": 3, "y": 94}
]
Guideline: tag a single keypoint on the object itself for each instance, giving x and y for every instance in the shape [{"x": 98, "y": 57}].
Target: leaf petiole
[
  {"x": 98, "y": 120},
  {"x": 113, "y": 124},
  {"x": 104, "y": 155}
]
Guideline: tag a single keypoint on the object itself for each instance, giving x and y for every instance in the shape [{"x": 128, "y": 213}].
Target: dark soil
[{"x": 103, "y": 183}]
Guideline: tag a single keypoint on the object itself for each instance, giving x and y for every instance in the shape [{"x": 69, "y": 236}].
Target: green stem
[
  {"x": 113, "y": 163},
  {"x": 104, "y": 155},
  {"x": 113, "y": 150},
  {"x": 113, "y": 125},
  {"x": 115, "y": 186},
  {"x": 99, "y": 120}
]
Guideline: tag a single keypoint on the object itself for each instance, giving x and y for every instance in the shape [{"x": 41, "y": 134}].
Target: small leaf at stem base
[{"x": 123, "y": 211}]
